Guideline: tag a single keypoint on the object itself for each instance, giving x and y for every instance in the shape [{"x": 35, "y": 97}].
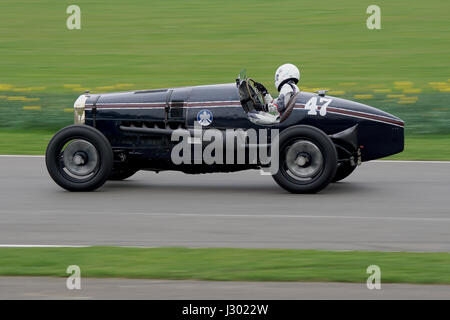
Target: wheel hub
[
  {"x": 304, "y": 160},
  {"x": 80, "y": 157}
]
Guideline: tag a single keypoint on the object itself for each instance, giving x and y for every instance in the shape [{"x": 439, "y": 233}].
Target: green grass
[
  {"x": 140, "y": 44},
  {"x": 32, "y": 142},
  {"x": 28, "y": 142},
  {"x": 434, "y": 147},
  {"x": 227, "y": 264},
  {"x": 159, "y": 43}
]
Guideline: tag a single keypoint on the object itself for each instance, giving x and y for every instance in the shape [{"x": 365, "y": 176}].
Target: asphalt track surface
[
  {"x": 55, "y": 288},
  {"x": 391, "y": 206}
]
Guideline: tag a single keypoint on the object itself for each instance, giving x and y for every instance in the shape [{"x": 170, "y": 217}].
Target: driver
[{"x": 286, "y": 79}]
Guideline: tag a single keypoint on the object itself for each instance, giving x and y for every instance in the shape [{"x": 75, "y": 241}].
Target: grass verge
[
  {"x": 227, "y": 264},
  {"x": 24, "y": 142},
  {"x": 428, "y": 147}
]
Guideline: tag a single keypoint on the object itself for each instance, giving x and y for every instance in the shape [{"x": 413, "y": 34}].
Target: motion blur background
[
  {"x": 403, "y": 69},
  {"x": 138, "y": 44}
]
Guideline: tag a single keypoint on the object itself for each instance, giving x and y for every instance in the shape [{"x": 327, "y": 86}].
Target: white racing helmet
[{"x": 285, "y": 73}]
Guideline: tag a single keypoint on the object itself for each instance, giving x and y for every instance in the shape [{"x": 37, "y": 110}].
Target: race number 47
[{"x": 313, "y": 105}]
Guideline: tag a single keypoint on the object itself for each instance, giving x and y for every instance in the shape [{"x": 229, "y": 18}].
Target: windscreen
[{"x": 243, "y": 75}]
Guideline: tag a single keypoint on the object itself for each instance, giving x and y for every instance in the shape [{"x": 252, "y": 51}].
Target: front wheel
[
  {"x": 307, "y": 160},
  {"x": 79, "y": 158}
]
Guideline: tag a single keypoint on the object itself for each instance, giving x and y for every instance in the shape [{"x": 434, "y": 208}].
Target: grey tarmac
[{"x": 390, "y": 206}]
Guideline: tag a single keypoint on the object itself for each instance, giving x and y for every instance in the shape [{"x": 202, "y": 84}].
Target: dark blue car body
[{"x": 134, "y": 122}]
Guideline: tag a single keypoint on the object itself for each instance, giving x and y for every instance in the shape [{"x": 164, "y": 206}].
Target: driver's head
[{"x": 285, "y": 73}]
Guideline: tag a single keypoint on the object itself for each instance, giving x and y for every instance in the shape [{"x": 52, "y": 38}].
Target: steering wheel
[{"x": 256, "y": 96}]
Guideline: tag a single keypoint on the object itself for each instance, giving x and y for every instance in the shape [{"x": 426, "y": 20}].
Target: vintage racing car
[{"x": 318, "y": 140}]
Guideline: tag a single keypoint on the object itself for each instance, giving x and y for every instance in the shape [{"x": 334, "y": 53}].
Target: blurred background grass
[
  {"x": 402, "y": 68},
  {"x": 227, "y": 264}
]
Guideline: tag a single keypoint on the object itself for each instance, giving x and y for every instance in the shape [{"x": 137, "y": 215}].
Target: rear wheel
[
  {"x": 307, "y": 160},
  {"x": 79, "y": 158},
  {"x": 343, "y": 171}
]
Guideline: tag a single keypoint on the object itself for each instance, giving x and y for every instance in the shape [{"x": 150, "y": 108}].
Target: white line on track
[
  {"x": 288, "y": 216},
  {"x": 40, "y": 246},
  {"x": 149, "y": 247},
  {"x": 19, "y": 156},
  {"x": 70, "y": 246},
  {"x": 253, "y": 216}
]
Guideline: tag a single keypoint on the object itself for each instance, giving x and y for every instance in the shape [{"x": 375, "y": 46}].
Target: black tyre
[
  {"x": 79, "y": 158},
  {"x": 118, "y": 174},
  {"x": 307, "y": 160},
  {"x": 343, "y": 171}
]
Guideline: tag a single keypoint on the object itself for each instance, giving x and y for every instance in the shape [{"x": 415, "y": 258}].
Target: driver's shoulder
[{"x": 289, "y": 88}]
